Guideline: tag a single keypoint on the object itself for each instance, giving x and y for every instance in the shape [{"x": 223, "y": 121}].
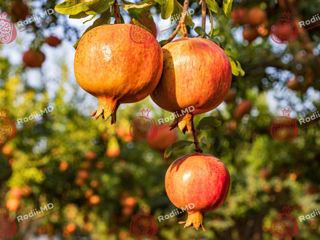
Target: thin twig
[
  {"x": 117, "y": 12},
  {"x": 181, "y": 23},
  {"x": 204, "y": 14},
  {"x": 195, "y": 137}
]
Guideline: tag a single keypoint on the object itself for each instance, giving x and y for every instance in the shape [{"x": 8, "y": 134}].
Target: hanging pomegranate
[
  {"x": 119, "y": 63},
  {"x": 198, "y": 179},
  {"x": 33, "y": 58},
  {"x": 161, "y": 137},
  {"x": 196, "y": 73}
]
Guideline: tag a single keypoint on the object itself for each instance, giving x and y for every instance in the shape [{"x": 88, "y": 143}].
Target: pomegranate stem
[{"x": 195, "y": 137}]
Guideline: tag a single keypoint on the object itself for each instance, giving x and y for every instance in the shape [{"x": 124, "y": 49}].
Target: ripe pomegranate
[
  {"x": 95, "y": 199},
  {"x": 128, "y": 202},
  {"x": 13, "y": 204},
  {"x": 15, "y": 192},
  {"x": 63, "y": 166},
  {"x": 250, "y": 34},
  {"x": 231, "y": 126},
  {"x": 196, "y": 73},
  {"x": 90, "y": 155},
  {"x": 33, "y": 58},
  {"x": 285, "y": 30},
  {"x": 239, "y": 16},
  {"x": 231, "y": 96},
  {"x": 53, "y": 41},
  {"x": 18, "y": 11},
  {"x": 293, "y": 84},
  {"x": 94, "y": 183},
  {"x": 146, "y": 22},
  {"x": 113, "y": 149},
  {"x": 242, "y": 109},
  {"x": 70, "y": 228},
  {"x": 256, "y": 16},
  {"x": 88, "y": 193},
  {"x": 163, "y": 138},
  {"x": 198, "y": 179},
  {"x": 7, "y": 150},
  {"x": 83, "y": 174},
  {"x": 118, "y": 63}
]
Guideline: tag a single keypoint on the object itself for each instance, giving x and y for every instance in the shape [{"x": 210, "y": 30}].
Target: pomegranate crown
[
  {"x": 145, "y": 112},
  {"x": 286, "y": 14},
  {"x": 286, "y": 112}
]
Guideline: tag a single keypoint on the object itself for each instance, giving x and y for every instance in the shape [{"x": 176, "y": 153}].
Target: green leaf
[
  {"x": 200, "y": 30},
  {"x": 209, "y": 123},
  {"x": 175, "y": 147},
  {"x": 163, "y": 42},
  {"x": 167, "y": 7},
  {"x": 139, "y": 5},
  {"x": 104, "y": 19},
  {"x": 236, "y": 67},
  {"x": 101, "y": 7},
  {"x": 227, "y": 6},
  {"x": 79, "y": 15},
  {"x": 213, "y": 6},
  {"x": 71, "y": 7}
]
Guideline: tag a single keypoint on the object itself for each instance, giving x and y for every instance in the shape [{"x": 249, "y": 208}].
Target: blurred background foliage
[{"x": 98, "y": 177}]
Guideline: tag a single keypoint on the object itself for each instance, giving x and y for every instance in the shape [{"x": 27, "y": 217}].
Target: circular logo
[
  {"x": 140, "y": 35},
  {"x": 143, "y": 126},
  {"x": 284, "y": 31},
  {"x": 284, "y": 226},
  {"x": 8, "y": 31},
  {"x": 8, "y": 128},
  {"x": 8, "y": 226},
  {"x": 284, "y": 129},
  {"x": 143, "y": 225}
]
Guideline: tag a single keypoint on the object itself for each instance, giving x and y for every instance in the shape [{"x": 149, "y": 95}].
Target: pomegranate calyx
[
  {"x": 107, "y": 107},
  {"x": 184, "y": 123},
  {"x": 194, "y": 219}
]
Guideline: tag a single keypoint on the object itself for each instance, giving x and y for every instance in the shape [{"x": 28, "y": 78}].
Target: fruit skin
[
  {"x": 242, "y": 109},
  {"x": 250, "y": 34},
  {"x": 196, "y": 73},
  {"x": 163, "y": 138},
  {"x": 118, "y": 63},
  {"x": 13, "y": 204},
  {"x": 198, "y": 179},
  {"x": 33, "y": 58},
  {"x": 16, "y": 192},
  {"x": 256, "y": 16},
  {"x": 53, "y": 41},
  {"x": 18, "y": 11},
  {"x": 239, "y": 16}
]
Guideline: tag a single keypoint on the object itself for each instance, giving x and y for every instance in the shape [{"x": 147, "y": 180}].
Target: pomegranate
[
  {"x": 53, "y": 41},
  {"x": 13, "y": 204},
  {"x": 15, "y": 192},
  {"x": 256, "y": 16},
  {"x": 118, "y": 63},
  {"x": 231, "y": 96},
  {"x": 88, "y": 193},
  {"x": 284, "y": 30},
  {"x": 94, "y": 183},
  {"x": 94, "y": 200},
  {"x": 63, "y": 166},
  {"x": 239, "y": 16},
  {"x": 18, "y": 11},
  {"x": 70, "y": 228},
  {"x": 283, "y": 5},
  {"x": 250, "y": 34},
  {"x": 33, "y": 58},
  {"x": 90, "y": 155},
  {"x": 198, "y": 179},
  {"x": 196, "y": 73},
  {"x": 83, "y": 174},
  {"x": 113, "y": 149},
  {"x": 163, "y": 138},
  {"x": 231, "y": 126},
  {"x": 7, "y": 150},
  {"x": 242, "y": 109}
]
